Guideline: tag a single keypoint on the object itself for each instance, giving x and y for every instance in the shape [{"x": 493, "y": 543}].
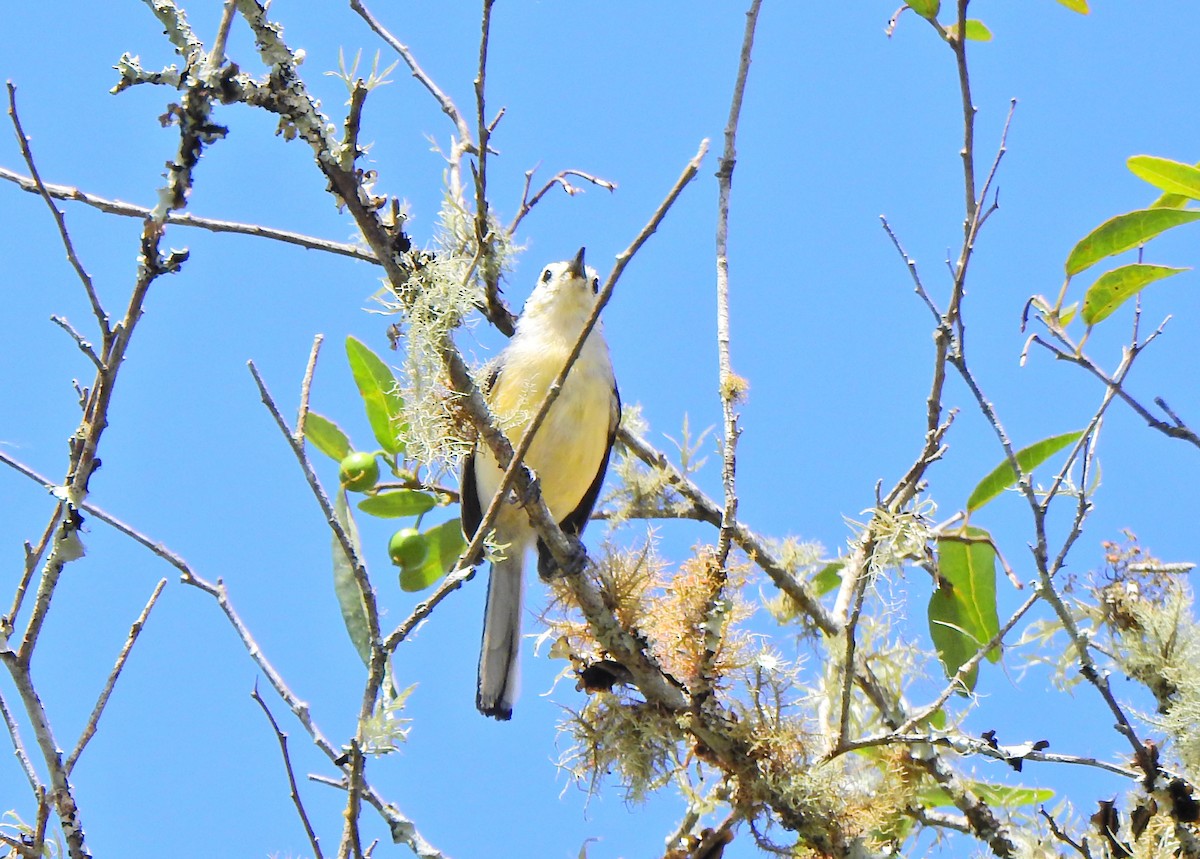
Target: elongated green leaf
[
  {"x": 1114, "y": 288},
  {"x": 926, "y": 8},
  {"x": 1011, "y": 797},
  {"x": 1002, "y": 476},
  {"x": 326, "y": 436},
  {"x": 992, "y": 794},
  {"x": 962, "y": 610},
  {"x": 1170, "y": 176},
  {"x": 397, "y": 503},
  {"x": 349, "y": 595},
  {"x": 977, "y": 31},
  {"x": 827, "y": 578},
  {"x": 1119, "y": 234},
  {"x": 1079, "y": 6},
  {"x": 377, "y": 386},
  {"x": 446, "y": 543},
  {"x": 1172, "y": 201}
]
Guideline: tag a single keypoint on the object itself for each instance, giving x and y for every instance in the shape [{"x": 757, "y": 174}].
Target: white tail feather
[{"x": 499, "y": 667}]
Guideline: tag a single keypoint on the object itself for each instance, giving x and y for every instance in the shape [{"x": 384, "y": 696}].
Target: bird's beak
[{"x": 576, "y": 268}]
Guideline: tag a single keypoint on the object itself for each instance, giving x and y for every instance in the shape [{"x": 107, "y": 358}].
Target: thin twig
[
  {"x": 911, "y": 264},
  {"x": 306, "y": 388},
  {"x": 33, "y": 556},
  {"x": 59, "y": 220},
  {"x": 185, "y": 219},
  {"x": 378, "y": 660},
  {"x": 484, "y": 239},
  {"x": 331, "y": 517},
  {"x": 60, "y": 787},
  {"x": 216, "y": 57},
  {"x": 964, "y": 744},
  {"x": 730, "y": 386},
  {"x": 560, "y": 178},
  {"x": 443, "y": 100},
  {"x": 22, "y": 754},
  {"x": 351, "y": 846},
  {"x": 1081, "y": 849},
  {"x": 84, "y": 346},
  {"x": 1177, "y": 430},
  {"x": 1000, "y": 150},
  {"x": 455, "y": 580},
  {"x": 89, "y": 730},
  {"x": 291, "y": 775},
  {"x": 958, "y": 681}
]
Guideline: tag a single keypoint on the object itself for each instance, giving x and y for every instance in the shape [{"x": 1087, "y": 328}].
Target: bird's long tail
[{"x": 498, "y": 662}]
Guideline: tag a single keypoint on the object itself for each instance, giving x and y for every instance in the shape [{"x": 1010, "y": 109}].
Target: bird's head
[{"x": 564, "y": 289}]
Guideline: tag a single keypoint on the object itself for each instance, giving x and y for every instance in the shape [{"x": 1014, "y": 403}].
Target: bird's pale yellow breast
[{"x": 571, "y": 443}]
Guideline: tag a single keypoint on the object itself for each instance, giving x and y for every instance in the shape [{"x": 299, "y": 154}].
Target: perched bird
[{"x": 569, "y": 454}]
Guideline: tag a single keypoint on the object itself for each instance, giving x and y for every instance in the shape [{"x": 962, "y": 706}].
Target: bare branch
[
  {"x": 33, "y": 556},
  {"x": 184, "y": 219},
  {"x": 59, "y": 220},
  {"x": 291, "y": 775},
  {"x": 443, "y": 100},
  {"x": 89, "y": 729},
  {"x": 331, "y": 517},
  {"x": 560, "y": 178},
  {"x": 60, "y": 793},
  {"x": 1081, "y": 849},
  {"x": 216, "y": 57},
  {"x": 22, "y": 754},
  {"x": 306, "y": 388},
  {"x": 1176, "y": 428},
  {"x": 730, "y": 386},
  {"x": 84, "y": 346}
]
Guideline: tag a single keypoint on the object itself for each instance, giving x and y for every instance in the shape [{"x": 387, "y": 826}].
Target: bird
[{"x": 569, "y": 454}]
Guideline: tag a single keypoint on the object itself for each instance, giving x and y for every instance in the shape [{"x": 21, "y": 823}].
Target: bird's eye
[
  {"x": 595, "y": 285},
  {"x": 546, "y": 275}
]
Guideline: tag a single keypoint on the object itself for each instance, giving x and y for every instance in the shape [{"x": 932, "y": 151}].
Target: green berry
[
  {"x": 408, "y": 548},
  {"x": 359, "y": 471}
]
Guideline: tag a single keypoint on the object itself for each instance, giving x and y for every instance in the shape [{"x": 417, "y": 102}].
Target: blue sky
[{"x": 840, "y": 125}]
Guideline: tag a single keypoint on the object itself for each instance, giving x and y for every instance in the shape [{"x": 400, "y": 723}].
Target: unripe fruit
[
  {"x": 359, "y": 471},
  {"x": 408, "y": 548}
]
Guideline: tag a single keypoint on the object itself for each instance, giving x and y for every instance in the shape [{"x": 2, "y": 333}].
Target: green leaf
[
  {"x": 977, "y": 31},
  {"x": 1002, "y": 476},
  {"x": 345, "y": 585},
  {"x": 1068, "y": 313},
  {"x": 962, "y": 610},
  {"x": 446, "y": 543},
  {"x": 1172, "y": 201},
  {"x": 1170, "y": 176},
  {"x": 1079, "y": 6},
  {"x": 326, "y": 436},
  {"x": 1011, "y": 797},
  {"x": 827, "y": 578},
  {"x": 378, "y": 388},
  {"x": 398, "y": 503},
  {"x": 937, "y": 720},
  {"x": 1114, "y": 288},
  {"x": 992, "y": 794},
  {"x": 926, "y": 8},
  {"x": 1119, "y": 234}
]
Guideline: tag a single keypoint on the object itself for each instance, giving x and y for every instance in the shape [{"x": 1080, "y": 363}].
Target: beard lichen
[
  {"x": 768, "y": 753},
  {"x": 442, "y": 291}
]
